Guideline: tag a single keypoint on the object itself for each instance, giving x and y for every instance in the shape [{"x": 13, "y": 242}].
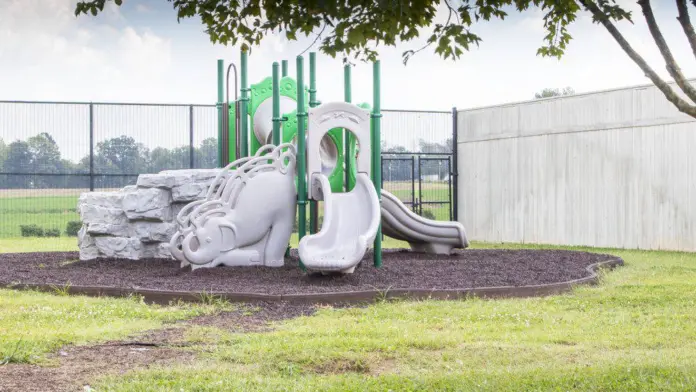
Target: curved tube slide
[
  {"x": 350, "y": 225},
  {"x": 424, "y": 235}
]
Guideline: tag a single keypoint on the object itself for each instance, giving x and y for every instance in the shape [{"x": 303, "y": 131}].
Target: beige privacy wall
[{"x": 614, "y": 168}]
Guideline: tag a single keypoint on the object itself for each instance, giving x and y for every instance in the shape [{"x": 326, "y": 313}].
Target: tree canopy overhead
[{"x": 356, "y": 28}]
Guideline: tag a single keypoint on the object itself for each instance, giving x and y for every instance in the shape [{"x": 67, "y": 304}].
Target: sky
[{"x": 140, "y": 53}]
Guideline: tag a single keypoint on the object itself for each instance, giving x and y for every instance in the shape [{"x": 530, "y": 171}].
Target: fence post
[
  {"x": 191, "y": 154},
  {"x": 91, "y": 147},
  {"x": 221, "y": 139},
  {"x": 414, "y": 200},
  {"x": 454, "y": 168}
]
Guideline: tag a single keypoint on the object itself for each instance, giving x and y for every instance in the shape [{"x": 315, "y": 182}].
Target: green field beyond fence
[
  {"x": 48, "y": 211},
  {"x": 54, "y": 208}
]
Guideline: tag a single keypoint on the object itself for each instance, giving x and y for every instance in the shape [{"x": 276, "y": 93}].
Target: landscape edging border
[{"x": 165, "y": 296}]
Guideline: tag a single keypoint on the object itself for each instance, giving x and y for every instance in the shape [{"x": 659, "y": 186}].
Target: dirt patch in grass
[
  {"x": 255, "y": 317},
  {"x": 339, "y": 366},
  {"x": 74, "y": 367}
]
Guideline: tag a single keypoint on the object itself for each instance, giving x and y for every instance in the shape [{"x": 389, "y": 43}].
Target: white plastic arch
[{"x": 332, "y": 115}]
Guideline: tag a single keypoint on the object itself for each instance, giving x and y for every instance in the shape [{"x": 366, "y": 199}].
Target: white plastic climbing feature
[
  {"x": 351, "y": 219},
  {"x": 246, "y": 217}
]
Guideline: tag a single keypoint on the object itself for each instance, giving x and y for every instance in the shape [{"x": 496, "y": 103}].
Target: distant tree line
[
  {"x": 117, "y": 162},
  {"x": 554, "y": 92},
  {"x": 398, "y": 165}
]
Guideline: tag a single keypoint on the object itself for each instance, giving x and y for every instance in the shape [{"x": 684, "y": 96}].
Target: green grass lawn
[
  {"x": 48, "y": 212},
  {"x": 33, "y": 324},
  {"x": 33, "y": 244},
  {"x": 430, "y": 192},
  {"x": 634, "y": 332}
]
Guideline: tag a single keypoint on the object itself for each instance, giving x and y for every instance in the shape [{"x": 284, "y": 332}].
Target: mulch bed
[{"x": 402, "y": 269}]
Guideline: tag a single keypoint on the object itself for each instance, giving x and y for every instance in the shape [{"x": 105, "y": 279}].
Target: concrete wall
[{"x": 614, "y": 168}]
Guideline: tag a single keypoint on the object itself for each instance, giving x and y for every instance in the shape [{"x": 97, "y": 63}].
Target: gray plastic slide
[{"x": 424, "y": 235}]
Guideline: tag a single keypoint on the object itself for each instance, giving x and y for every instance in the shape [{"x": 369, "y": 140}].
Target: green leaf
[{"x": 353, "y": 28}]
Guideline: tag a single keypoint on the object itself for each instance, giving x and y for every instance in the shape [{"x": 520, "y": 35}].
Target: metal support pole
[
  {"x": 233, "y": 153},
  {"x": 420, "y": 186},
  {"x": 454, "y": 169},
  {"x": 220, "y": 97},
  {"x": 284, "y": 68},
  {"x": 313, "y": 207},
  {"x": 449, "y": 188},
  {"x": 377, "y": 154},
  {"x": 414, "y": 200},
  {"x": 347, "y": 96},
  {"x": 301, "y": 153},
  {"x": 91, "y": 147},
  {"x": 243, "y": 108},
  {"x": 191, "y": 150},
  {"x": 225, "y": 141},
  {"x": 276, "y": 105}
]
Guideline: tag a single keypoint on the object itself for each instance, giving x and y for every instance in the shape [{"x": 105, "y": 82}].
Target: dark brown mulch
[{"x": 469, "y": 268}]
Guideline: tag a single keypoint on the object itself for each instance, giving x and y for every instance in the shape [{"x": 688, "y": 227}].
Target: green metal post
[
  {"x": 276, "y": 105},
  {"x": 220, "y": 108},
  {"x": 301, "y": 160},
  {"x": 376, "y": 154},
  {"x": 313, "y": 207},
  {"x": 243, "y": 110},
  {"x": 347, "y": 96},
  {"x": 284, "y": 68}
]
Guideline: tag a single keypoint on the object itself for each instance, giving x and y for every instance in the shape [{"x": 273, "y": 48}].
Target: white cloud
[{"x": 47, "y": 53}]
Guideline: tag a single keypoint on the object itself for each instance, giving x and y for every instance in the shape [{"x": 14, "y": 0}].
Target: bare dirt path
[{"x": 73, "y": 368}]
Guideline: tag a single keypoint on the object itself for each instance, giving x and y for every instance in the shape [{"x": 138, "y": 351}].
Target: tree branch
[
  {"x": 672, "y": 66},
  {"x": 315, "y": 40},
  {"x": 671, "y": 96},
  {"x": 685, "y": 22},
  {"x": 409, "y": 53}
]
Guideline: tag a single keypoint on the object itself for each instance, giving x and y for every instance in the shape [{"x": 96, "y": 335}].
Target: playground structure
[{"x": 311, "y": 153}]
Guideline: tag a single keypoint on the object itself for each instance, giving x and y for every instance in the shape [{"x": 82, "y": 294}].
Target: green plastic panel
[
  {"x": 261, "y": 92},
  {"x": 288, "y": 88},
  {"x": 354, "y": 154},
  {"x": 232, "y": 143}
]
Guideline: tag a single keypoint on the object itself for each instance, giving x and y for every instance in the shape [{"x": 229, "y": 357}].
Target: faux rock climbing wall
[{"x": 138, "y": 221}]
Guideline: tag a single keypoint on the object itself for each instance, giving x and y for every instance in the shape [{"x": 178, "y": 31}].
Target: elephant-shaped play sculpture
[{"x": 246, "y": 217}]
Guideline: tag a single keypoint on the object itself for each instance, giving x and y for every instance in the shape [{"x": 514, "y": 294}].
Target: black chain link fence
[{"x": 51, "y": 152}]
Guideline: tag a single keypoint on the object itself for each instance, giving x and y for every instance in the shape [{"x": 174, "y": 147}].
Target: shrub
[
  {"x": 31, "y": 231},
  {"x": 428, "y": 214},
  {"x": 52, "y": 233},
  {"x": 72, "y": 228}
]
